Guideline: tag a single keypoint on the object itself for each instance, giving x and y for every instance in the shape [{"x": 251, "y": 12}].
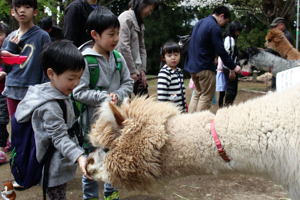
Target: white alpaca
[{"x": 150, "y": 141}]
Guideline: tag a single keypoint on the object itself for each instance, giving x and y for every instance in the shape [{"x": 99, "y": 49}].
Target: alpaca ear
[{"x": 117, "y": 114}]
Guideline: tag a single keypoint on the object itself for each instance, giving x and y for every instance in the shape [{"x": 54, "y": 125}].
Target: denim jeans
[{"x": 91, "y": 188}]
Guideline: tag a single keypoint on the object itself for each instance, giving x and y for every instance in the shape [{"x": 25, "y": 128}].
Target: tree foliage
[{"x": 264, "y": 10}]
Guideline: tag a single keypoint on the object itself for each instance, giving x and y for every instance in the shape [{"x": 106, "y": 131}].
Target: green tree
[{"x": 165, "y": 24}]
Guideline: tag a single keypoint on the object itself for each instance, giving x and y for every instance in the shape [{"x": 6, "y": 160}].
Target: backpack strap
[
  {"x": 93, "y": 66},
  {"x": 93, "y": 69},
  {"x": 118, "y": 60}
]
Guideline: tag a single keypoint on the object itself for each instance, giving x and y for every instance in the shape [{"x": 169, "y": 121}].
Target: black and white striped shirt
[{"x": 170, "y": 86}]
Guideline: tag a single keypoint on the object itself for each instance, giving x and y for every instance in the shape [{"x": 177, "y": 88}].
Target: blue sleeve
[{"x": 219, "y": 47}]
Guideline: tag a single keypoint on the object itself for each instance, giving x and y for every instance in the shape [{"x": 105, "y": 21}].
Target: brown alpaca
[{"x": 276, "y": 40}]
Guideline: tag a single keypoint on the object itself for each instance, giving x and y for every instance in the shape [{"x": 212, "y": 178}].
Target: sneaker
[
  {"x": 17, "y": 186},
  {"x": 111, "y": 195},
  {"x": 8, "y": 147},
  {"x": 3, "y": 157}
]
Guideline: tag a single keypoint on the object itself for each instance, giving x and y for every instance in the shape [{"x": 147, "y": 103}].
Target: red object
[
  {"x": 11, "y": 60},
  {"x": 220, "y": 148},
  {"x": 244, "y": 73}
]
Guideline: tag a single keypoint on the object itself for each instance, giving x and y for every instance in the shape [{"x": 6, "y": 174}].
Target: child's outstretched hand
[{"x": 82, "y": 162}]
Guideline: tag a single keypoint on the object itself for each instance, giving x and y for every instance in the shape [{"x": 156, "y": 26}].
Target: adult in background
[
  {"x": 54, "y": 31},
  {"x": 230, "y": 44},
  {"x": 280, "y": 23},
  {"x": 76, "y": 14},
  {"x": 131, "y": 43},
  {"x": 207, "y": 42}
]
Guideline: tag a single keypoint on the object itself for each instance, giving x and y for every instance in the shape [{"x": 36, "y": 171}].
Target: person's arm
[
  {"x": 143, "y": 54},
  {"x": 45, "y": 40},
  {"x": 163, "y": 84},
  {"x": 126, "y": 83},
  {"x": 124, "y": 46},
  {"x": 229, "y": 45},
  {"x": 88, "y": 96},
  {"x": 217, "y": 42},
  {"x": 57, "y": 130}
]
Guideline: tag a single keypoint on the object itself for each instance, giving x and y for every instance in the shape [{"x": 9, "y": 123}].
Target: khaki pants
[{"x": 205, "y": 82}]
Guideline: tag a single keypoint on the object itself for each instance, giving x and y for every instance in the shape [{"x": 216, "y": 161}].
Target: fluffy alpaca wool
[
  {"x": 155, "y": 142},
  {"x": 264, "y": 60},
  {"x": 276, "y": 40}
]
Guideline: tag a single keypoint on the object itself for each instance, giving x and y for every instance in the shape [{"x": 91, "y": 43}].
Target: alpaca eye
[{"x": 269, "y": 40}]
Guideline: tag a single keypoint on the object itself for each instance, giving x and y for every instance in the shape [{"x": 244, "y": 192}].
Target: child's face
[
  {"x": 66, "y": 81},
  {"x": 2, "y": 37},
  {"x": 24, "y": 13},
  {"x": 108, "y": 39},
  {"x": 172, "y": 59}
]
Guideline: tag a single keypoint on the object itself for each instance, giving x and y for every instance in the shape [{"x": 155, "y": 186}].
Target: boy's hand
[
  {"x": 7, "y": 54},
  {"x": 82, "y": 162},
  {"x": 237, "y": 69},
  {"x": 232, "y": 75},
  {"x": 2, "y": 75},
  {"x": 114, "y": 98},
  {"x": 15, "y": 39},
  {"x": 134, "y": 76}
]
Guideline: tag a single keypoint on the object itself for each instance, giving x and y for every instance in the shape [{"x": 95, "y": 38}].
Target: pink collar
[{"x": 220, "y": 148}]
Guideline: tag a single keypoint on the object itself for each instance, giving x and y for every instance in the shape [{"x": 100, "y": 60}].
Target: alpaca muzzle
[{"x": 95, "y": 165}]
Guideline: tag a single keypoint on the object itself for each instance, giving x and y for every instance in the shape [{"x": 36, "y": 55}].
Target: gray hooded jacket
[
  {"x": 110, "y": 81},
  {"x": 40, "y": 105}
]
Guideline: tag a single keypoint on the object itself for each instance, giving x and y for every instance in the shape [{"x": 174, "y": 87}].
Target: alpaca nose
[{"x": 90, "y": 170}]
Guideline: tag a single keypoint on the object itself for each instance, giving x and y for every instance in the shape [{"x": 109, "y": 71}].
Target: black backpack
[{"x": 25, "y": 168}]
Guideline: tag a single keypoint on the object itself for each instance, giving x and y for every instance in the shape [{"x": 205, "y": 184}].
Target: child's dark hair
[
  {"x": 101, "y": 19},
  {"x": 4, "y": 28},
  {"x": 46, "y": 23},
  {"x": 169, "y": 47},
  {"x": 18, "y": 3},
  {"x": 61, "y": 56},
  {"x": 222, "y": 10}
]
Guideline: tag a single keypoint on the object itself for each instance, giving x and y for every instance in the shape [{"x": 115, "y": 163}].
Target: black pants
[{"x": 230, "y": 94}]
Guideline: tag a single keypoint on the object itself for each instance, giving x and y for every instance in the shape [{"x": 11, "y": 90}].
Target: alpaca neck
[
  {"x": 191, "y": 149},
  {"x": 264, "y": 60}
]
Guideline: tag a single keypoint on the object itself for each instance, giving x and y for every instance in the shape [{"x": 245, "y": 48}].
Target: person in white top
[{"x": 233, "y": 31}]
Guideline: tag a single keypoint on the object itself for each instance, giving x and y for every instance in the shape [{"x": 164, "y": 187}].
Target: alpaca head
[
  {"x": 275, "y": 38},
  {"x": 246, "y": 58},
  {"x": 128, "y": 141}
]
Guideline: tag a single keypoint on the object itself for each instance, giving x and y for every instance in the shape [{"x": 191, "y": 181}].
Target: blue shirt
[
  {"x": 20, "y": 77},
  {"x": 205, "y": 44}
]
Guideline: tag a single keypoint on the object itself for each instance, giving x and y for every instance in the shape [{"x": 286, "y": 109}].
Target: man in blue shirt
[{"x": 206, "y": 43}]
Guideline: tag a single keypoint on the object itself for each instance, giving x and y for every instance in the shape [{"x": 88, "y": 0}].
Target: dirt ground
[{"x": 229, "y": 187}]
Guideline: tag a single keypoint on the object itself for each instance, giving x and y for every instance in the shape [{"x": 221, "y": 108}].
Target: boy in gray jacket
[
  {"x": 63, "y": 64},
  {"x": 112, "y": 85}
]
